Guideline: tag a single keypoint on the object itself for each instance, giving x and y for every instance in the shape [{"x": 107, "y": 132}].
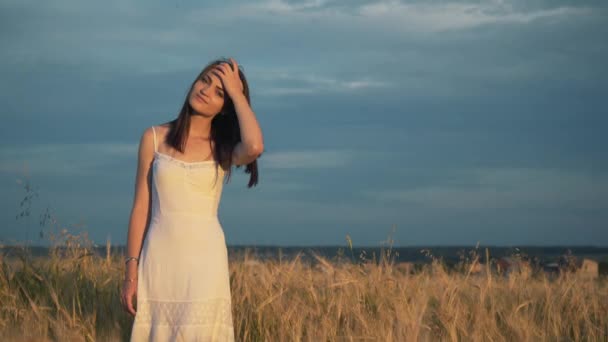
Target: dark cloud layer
[{"x": 457, "y": 121}]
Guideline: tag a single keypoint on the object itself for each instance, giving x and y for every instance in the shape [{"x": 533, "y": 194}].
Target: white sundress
[{"x": 183, "y": 290}]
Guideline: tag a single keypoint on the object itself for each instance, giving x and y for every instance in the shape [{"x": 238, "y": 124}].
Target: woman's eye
[{"x": 207, "y": 79}]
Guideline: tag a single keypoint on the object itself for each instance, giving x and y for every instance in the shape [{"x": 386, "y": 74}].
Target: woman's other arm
[{"x": 141, "y": 201}]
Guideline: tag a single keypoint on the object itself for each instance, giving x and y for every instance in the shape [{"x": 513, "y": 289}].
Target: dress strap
[{"x": 154, "y": 131}]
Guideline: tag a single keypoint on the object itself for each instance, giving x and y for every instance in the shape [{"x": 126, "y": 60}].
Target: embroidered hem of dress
[
  {"x": 182, "y": 333},
  {"x": 211, "y": 311}
]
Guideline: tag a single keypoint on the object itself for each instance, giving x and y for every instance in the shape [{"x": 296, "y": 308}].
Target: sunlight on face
[{"x": 207, "y": 95}]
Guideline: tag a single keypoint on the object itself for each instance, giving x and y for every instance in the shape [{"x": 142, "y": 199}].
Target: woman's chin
[
  {"x": 195, "y": 111},
  {"x": 194, "y": 103},
  {"x": 197, "y": 107}
]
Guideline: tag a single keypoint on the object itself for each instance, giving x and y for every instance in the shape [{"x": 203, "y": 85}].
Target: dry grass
[{"x": 73, "y": 295}]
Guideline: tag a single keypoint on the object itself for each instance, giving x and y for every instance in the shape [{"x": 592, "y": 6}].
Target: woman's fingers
[
  {"x": 130, "y": 305},
  {"x": 234, "y": 65},
  {"x": 220, "y": 69},
  {"x": 217, "y": 73},
  {"x": 126, "y": 301},
  {"x": 226, "y": 67}
]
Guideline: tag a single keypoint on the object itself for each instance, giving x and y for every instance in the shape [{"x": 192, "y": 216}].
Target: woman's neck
[{"x": 200, "y": 127}]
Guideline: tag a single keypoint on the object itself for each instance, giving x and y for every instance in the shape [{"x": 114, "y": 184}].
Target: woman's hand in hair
[{"x": 229, "y": 75}]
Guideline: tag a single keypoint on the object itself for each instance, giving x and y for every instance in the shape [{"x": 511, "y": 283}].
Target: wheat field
[{"x": 73, "y": 295}]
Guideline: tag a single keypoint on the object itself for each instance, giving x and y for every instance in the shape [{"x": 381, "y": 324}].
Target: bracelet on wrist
[{"x": 131, "y": 258}]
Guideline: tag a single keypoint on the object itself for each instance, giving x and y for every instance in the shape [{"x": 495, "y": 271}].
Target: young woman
[{"x": 177, "y": 268}]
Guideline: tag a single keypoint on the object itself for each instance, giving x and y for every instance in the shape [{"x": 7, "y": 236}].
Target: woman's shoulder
[
  {"x": 164, "y": 125},
  {"x": 155, "y": 131},
  {"x": 162, "y": 128},
  {"x": 158, "y": 129}
]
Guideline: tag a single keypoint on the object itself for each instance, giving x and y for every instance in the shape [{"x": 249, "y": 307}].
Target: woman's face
[{"x": 207, "y": 95}]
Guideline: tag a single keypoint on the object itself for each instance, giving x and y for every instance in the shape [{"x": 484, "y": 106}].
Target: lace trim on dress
[
  {"x": 212, "y": 311},
  {"x": 185, "y": 163}
]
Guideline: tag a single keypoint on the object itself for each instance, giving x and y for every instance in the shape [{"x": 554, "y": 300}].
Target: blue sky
[{"x": 428, "y": 122}]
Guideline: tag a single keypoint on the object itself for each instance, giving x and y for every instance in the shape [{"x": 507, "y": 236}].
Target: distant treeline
[{"x": 449, "y": 254}]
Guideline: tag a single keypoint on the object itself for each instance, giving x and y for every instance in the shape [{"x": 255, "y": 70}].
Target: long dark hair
[{"x": 225, "y": 129}]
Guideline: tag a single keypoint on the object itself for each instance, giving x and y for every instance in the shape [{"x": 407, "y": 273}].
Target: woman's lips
[{"x": 200, "y": 98}]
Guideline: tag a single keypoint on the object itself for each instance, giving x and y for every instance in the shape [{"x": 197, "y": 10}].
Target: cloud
[
  {"x": 279, "y": 6},
  {"x": 308, "y": 159},
  {"x": 507, "y": 188},
  {"x": 281, "y": 186},
  {"x": 69, "y": 159},
  {"x": 403, "y": 99},
  {"x": 63, "y": 159},
  {"x": 278, "y": 82},
  {"x": 438, "y": 17},
  {"x": 174, "y": 36},
  {"x": 378, "y": 45},
  {"x": 406, "y": 17}
]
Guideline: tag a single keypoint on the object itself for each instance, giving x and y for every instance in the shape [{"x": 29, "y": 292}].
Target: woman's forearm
[
  {"x": 137, "y": 225},
  {"x": 251, "y": 133}
]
